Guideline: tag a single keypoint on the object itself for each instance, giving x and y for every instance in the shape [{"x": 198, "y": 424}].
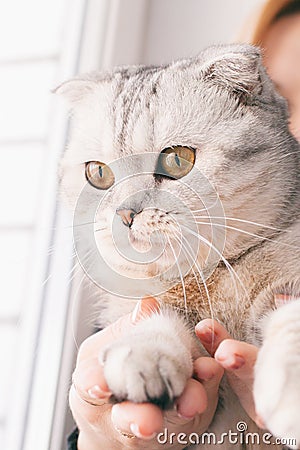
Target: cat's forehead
[
  {"x": 147, "y": 109},
  {"x": 193, "y": 102}
]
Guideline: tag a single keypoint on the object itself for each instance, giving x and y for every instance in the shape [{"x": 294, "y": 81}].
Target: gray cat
[{"x": 223, "y": 178}]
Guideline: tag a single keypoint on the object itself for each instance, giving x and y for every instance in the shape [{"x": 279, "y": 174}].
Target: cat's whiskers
[
  {"x": 213, "y": 224},
  {"x": 70, "y": 277},
  {"x": 75, "y": 297},
  {"x": 187, "y": 253},
  {"x": 100, "y": 229},
  {"x": 51, "y": 250},
  {"x": 232, "y": 272},
  {"x": 79, "y": 264},
  {"x": 240, "y": 230},
  {"x": 83, "y": 224},
  {"x": 73, "y": 272},
  {"x": 203, "y": 281},
  {"x": 207, "y": 208},
  {"x": 178, "y": 240},
  {"x": 196, "y": 279},
  {"x": 249, "y": 222},
  {"x": 180, "y": 273},
  {"x": 67, "y": 227}
]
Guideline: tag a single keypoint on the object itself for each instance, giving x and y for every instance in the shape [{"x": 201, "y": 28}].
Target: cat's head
[{"x": 157, "y": 153}]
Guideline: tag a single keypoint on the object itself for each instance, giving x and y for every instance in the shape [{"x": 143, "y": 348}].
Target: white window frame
[
  {"x": 103, "y": 47},
  {"x": 51, "y": 328},
  {"x": 32, "y": 400}
]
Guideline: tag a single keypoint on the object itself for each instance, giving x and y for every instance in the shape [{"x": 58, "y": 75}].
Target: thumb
[
  {"x": 144, "y": 308},
  {"x": 88, "y": 372},
  {"x": 236, "y": 357}
]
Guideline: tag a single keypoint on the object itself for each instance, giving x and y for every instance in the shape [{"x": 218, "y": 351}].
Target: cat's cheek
[
  {"x": 71, "y": 184},
  {"x": 114, "y": 258}
]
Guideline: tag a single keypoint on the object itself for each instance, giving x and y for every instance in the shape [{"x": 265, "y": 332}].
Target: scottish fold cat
[{"x": 188, "y": 181}]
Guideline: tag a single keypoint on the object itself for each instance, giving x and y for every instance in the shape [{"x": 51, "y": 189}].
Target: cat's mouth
[
  {"x": 139, "y": 244},
  {"x": 154, "y": 243},
  {"x": 140, "y": 249},
  {"x": 156, "y": 252}
]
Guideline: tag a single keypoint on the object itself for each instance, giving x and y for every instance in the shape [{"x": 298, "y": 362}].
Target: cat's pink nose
[{"x": 127, "y": 216}]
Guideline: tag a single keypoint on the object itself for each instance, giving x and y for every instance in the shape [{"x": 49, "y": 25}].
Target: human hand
[
  {"x": 120, "y": 426},
  {"x": 236, "y": 357},
  {"x": 264, "y": 379}
]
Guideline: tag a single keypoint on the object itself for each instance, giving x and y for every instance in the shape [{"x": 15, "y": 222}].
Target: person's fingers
[
  {"x": 233, "y": 355},
  {"x": 88, "y": 375},
  {"x": 196, "y": 406},
  {"x": 83, "y": 411},
  {"x": 89, "y": 393},
  {"x": 210, "y": 373},
  {"x": 237, "y": 356},
  {"x": 144, "y": 420},
  {"x": 89, "y": 381},
  {"x": 238, "y": 359},
  {"x": 192, "y": 401},
  {"x": 144, "y": 308},
  {"x": 211, "y": 333},
  {"x": 147, "y": 306}
]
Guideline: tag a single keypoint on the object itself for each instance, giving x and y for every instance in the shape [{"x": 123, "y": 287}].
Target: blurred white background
[{"x": 43, "y": 42}]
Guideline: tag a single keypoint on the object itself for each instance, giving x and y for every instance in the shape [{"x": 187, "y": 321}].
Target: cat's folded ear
[
  {"x": 75, "y": 90},
  {"x": 234, "y": 67}
]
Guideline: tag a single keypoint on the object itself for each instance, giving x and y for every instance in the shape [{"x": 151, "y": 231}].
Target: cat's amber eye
[
  {"x": 99, "y": 175},
  {"x": 176, "y": 162}
]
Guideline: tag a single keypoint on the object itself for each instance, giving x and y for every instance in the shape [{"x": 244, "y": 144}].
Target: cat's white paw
[
  {"x": 147, "y": 367},
  {"x": 277, "y": 376}
]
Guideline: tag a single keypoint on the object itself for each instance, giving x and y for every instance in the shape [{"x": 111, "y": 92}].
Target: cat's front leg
[
  {"x": 153, "y": 362},
  {"x": 277, "y": 374}
]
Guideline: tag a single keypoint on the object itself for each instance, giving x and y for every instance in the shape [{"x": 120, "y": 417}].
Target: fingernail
[
  {"x": 185, "y": 417},
  {"x": 135, "y": 429},
  {"x": 180, "y": 409},
  {"x": 206, "y": 334},
  {"x": 136, "y": 311},
  {"x": 144, "y": 308},
  {"x": 232, "y": 361},
  {"x": 207, "y": 377},
  {"x": 96, "y": 392}
]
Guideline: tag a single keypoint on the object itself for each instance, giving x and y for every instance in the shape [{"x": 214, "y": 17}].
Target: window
[
  {"x": 43, "y": 42},
  {"x": 40, "y": 41}
]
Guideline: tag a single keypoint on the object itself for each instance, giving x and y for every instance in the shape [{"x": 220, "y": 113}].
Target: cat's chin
[{"x": 140, "y": 245}]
